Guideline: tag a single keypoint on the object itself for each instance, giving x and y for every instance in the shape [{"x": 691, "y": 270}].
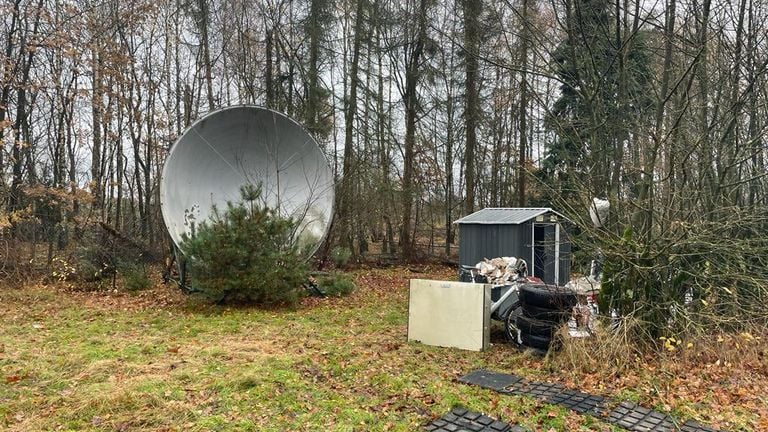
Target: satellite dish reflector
[{"x": 241, "y": 145}]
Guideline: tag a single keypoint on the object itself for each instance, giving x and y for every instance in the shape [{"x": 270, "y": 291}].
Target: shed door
[{"x": 544, "y": 252}]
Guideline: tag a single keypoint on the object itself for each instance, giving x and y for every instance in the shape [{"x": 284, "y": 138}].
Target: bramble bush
[{"x": 246, "y": 254}]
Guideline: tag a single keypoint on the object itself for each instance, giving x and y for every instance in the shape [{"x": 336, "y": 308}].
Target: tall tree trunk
[
  {"x": 22, "y": 112},
  {"x": 315, "y": 33},
  {"x": 644, "y": 217},
  {"x": 71, "y": 156},
  {"x": 348, "y": 176},
  {"x": 472, "y": 10},
  {"x": 9, "y": 71},
  {"x": 707, "y": 174},
  {"x": 384, "y": 156},
  {"x": 205, "y": 18},
  {"x": 731, "y": 144},
  {"x": 119, "y": 169},
  {"x": 449, "y": 172},
  {"x": 412, "y": 75},
  {"x": 147, "y": 231},
  {"x": 269, "y": 81},
  {"x": 96, "y": 144},
  {"x": 753, "y": 134},
  {"x": 523, "y": 118},
  {"x": 622, "y": 48}
]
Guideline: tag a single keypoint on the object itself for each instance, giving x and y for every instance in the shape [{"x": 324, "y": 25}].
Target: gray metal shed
[{"x": 537, "y": 235}]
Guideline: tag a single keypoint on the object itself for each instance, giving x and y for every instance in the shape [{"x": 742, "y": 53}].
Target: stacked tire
[{"x": 544, "y": 309}]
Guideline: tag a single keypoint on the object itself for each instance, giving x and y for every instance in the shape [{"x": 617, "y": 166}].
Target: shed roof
[{"x": 510, "y": 216}]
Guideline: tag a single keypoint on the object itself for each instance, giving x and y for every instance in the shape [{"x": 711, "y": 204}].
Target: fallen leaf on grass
[{"x": 13, "y": 379}]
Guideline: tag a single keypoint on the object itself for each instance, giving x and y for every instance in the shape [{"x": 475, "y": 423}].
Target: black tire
[
  {"x": 544, "y": 314},
  {"x": 538, "y": 342},
  {"x": 535, "y": 327},
  {"x": 510, "y": 325},
  {"x": 549, "y": 297}
]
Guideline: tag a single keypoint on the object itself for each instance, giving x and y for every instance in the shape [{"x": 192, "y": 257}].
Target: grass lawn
[{"x": 156, "y": 360}]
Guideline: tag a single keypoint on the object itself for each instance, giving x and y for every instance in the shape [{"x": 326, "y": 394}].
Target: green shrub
[
  {"x": 96, "y": 256},
  {"x": 136, "y": 279},
  {"x": 340, "y": 256},
  {"x": 245, "y": 254},
  {"x": 336, "y": 285}
]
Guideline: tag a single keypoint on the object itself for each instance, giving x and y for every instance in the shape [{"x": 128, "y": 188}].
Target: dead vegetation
[
  {"x": 153, "y": 360},
  {"x": 723, "y": 372}
]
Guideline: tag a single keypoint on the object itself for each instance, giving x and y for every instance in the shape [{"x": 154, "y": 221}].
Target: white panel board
[{"x": 449, "y": 314}]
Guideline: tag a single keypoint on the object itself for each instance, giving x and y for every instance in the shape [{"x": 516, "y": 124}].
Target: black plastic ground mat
[
  {"x": 627, "y": 415},
  {"x": 582, "y": 403},
  {"x": 490, "y": 380},
  {"x": 460, "y": 419},
  {"x": 633, "y": 417}
]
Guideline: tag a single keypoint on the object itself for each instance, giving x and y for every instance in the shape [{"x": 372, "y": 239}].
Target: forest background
[{"x": 426, "y": 111}]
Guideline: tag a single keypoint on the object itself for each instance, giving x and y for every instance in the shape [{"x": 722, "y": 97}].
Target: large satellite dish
[{"x": 242, "y": 145}]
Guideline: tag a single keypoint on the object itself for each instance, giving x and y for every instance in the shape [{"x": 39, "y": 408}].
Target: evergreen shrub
[{"x": 246, "y": 254}]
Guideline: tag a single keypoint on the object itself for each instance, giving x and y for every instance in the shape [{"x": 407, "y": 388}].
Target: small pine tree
[{"x": 247, "y": 254}]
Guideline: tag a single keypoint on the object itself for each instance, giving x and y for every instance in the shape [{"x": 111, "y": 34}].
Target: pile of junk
[{"x": 532, "y": 311}]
